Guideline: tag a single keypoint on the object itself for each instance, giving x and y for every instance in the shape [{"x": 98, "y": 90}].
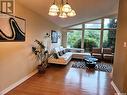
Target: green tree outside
[{"x": 92, "y": 37}]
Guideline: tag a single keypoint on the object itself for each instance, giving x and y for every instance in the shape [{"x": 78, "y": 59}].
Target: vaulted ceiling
[{"x": 85, "y": 9}]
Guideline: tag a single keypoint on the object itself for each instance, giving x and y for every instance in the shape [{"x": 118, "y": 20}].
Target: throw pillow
[
  {"x": 67, "y": 50},
  {"x": 60, "y": 53},
  {"x": 55, "y": 55},
  {"x": 63, "y": 51}
]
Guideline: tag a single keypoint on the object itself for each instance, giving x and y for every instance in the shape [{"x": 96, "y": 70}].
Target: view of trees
[
  {"x": 73, "y": 38},
  {"x": 110, "y": 35},
  {"x": 92, "y": 37},
  {"x": 88, "y": 44}
]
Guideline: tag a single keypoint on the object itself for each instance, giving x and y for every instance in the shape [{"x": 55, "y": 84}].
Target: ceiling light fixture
[{"x": 64, "y": 10}]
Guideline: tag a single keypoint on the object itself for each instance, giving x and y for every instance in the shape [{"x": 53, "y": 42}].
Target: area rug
[{"x": 99, "y": 66}]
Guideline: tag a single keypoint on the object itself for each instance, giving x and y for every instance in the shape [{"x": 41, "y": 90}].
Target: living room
[{"x": 18, "y": 63}]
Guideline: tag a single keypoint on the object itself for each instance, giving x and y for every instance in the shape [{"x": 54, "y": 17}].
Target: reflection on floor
[{"x": 64, "y": 80}]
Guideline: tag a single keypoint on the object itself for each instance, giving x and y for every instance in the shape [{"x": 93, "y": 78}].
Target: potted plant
[{"x": 41, "y": 54}]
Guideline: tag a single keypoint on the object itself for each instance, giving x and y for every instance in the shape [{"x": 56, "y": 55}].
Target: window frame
[{"x": 102, "y": 29}]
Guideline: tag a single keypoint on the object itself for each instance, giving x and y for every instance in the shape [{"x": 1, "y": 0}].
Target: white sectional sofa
[{"x": 65, "y": 58}]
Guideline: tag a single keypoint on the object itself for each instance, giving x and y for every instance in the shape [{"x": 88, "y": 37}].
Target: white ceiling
[{"x": 85, "y": 9}]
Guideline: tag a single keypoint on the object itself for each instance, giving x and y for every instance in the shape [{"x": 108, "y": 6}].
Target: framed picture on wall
[
  {"x": 12, "y": 28},
  {"x": 54, "y": 36}
]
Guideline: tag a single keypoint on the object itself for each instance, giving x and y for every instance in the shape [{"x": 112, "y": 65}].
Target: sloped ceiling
[{"x": 85, "y": 9}]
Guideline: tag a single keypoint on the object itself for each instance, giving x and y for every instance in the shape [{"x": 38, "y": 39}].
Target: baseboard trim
[
  {"x": 17, "y": 83},
  {"x": 116, "y": 88}
]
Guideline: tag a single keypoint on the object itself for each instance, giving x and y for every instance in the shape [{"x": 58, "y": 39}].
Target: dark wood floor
[{"x": 64, "y": 80}]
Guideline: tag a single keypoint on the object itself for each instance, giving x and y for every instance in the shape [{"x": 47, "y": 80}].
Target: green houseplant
[{"x": 41, "y": 54}]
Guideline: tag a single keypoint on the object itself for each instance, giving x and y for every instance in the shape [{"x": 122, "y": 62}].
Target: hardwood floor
[{"x": 64, "y": 80}]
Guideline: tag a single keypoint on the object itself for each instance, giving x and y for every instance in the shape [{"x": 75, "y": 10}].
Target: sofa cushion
[
  {"x": 57, "y": 61},
  {"x": 60, "y": 53},
  {"x": 67, "y": 55},
  {"x": 63, "y": 60},
  {"x": 55, "y": 55},
  {"x": 80, "y": 55},
  {"x": 96, "y": 50},
  {"x": 107, "y": 51},
  {"x": 98, "y": 56},
  {"x": 63, "y": 51},
  {"x": 108, "y": 56}
]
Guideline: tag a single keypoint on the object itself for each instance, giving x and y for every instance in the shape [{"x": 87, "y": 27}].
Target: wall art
[
  {"x": 54, "y": 36},
  {"x": 12, "y": 28}
]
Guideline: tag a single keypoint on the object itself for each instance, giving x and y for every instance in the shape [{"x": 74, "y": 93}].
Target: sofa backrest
[
  {"x": 97, "y": 50},
  {"x": 107, "y": 51},
  {"x": 58, "y": 49}
]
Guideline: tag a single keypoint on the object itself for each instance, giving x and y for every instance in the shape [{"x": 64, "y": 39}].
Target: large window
[
  {"x": 93, "y": 24},
  {"x": 110, "y": 23},
  {"x": 91, "y": 39},
  {"x": 109, "y": 33},
  {"x": 98, "y": 33},
  {"x": 109, "y": 38},
  {"x": 74, "y": 39}
]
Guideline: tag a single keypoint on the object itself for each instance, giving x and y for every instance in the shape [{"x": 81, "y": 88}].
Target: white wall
[{"x": 16, "y": 58}]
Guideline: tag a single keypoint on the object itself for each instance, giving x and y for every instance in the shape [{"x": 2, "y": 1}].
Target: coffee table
[{"x": 90, "y": 61}]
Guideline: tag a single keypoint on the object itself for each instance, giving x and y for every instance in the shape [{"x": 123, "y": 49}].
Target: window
[
  {"x": 93, "y": 24},
  {"x": 109, "y": 38},
  {"x": 109, "y": 33},
  {"x": 74, "y": 39},
  {"x": 91, "y": 39},
  {"x": 110, "y": 23},
  {"x": 98, "y": 33}
]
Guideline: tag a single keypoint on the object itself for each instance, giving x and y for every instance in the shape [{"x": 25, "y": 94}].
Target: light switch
[{"x": 125, "y": 44}]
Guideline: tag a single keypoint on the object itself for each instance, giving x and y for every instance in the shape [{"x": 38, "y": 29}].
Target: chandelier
[{"x": 63, "y": 10}]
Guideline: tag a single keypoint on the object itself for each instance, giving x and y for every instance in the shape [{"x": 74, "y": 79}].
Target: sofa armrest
[{"x": 63, "y": 60}]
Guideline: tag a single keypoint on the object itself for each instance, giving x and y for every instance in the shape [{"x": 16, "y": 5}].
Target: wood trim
[
  {"x": 101, "y": 35},
  {"x": 12, "y": 86},
  {"x": 116, "y": 88},
  {"x": 82, "y": 41}
]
